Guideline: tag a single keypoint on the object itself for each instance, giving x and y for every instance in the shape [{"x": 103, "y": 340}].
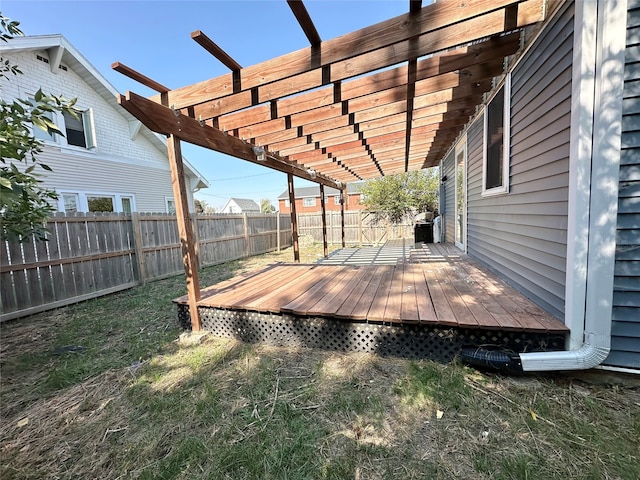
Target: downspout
[
  {"x": 596, "y": 120},
  {"x": 608, "y": 44}
]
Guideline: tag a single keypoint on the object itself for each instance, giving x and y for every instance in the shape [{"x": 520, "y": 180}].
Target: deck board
[{"x": 436, "y": 285}]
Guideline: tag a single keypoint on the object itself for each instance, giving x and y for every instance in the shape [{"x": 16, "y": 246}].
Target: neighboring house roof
[
  {"x": 244, "y": 204},
  {"x": 59, "y": 50},
  {"x": 314, "y": 191}
]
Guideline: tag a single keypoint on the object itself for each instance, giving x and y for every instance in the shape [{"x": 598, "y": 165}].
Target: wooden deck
[{"x": 434, "y": 285}]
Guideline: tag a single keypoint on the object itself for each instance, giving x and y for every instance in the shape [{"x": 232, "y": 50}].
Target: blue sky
[{"x": 153, "y": 37}]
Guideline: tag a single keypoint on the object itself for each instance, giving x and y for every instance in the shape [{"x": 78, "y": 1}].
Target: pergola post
[
  {"x": 342, "y": 200},
  {"x": 294, "y": 218},
  {"x": 185, "y": 229},
  {"x": 324, "y": 221}
]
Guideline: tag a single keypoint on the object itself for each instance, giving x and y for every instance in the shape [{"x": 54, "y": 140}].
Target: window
[
  {"x": 495, "y": 171},
  {"x": 100, "y": 203},
  {"x": 362, "y": 198},
  {"x": 336, "y": 199},
  {"x": 39, "y": 133},
  {"x": 171, "y": 206},
  {"x": 286, "y": 203},
  {"x": 127, "y": 205},
  {"x": 309, "y": 202},
  {"x": 70, "y": 202},
  {"x": 80, "y": 131}
]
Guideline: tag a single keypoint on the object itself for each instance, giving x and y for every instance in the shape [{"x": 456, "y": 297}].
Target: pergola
[{"x": 386, "y": 99}]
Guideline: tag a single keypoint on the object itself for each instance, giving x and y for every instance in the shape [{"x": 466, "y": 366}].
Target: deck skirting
[{"x": 416, "y": 341}]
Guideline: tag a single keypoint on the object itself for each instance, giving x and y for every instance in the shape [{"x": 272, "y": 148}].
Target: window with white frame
[
  {"x": 495, "y": 168},
  {"x": 79, "y": 131},
  {"x": 287, "y": 203},
  {"x": 309, "y": 202},
  {"x": 171, "y": 205},
  {"x": 70, "y": 202},
  {"x": 336, "y": 199},
  {"x": 100, "y": 203}
]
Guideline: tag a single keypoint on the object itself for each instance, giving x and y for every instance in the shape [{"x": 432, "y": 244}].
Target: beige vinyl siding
[
  {"x": 625, "y": 328},
  {"x": 523, "y": 235}
]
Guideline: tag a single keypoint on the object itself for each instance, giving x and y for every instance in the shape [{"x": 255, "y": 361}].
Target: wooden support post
[
  {"x": 294, "y": 218},
  {"x": 342, "y": 200},
  {"x": 324, "y": 221},
  {"x": 137, "y": 245},
  {"x": 184, "y": 229}
]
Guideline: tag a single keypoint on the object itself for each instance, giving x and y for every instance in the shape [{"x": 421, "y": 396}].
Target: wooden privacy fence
[
  {"x": 87, "y": 256},
  {"x": 359, "y": 228}
]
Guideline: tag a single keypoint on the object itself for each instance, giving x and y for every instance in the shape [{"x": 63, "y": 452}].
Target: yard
[{"x": 104, "y": 389}]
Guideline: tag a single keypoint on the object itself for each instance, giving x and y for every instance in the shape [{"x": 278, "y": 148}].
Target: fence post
[
  {"x": 359, "y": 227},
  {"x": 196, "y": 237},
  {"x": 137, "y": 245},
  {"x": 278, "y": 231},
  {"x": 245, "y": 226}
]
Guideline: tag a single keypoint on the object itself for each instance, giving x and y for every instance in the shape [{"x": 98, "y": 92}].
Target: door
[{"x": 461, "y": 195}]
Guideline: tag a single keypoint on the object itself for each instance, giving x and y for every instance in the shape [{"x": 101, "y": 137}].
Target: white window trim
[
  {"x": 83, "y": 202},
  {"x": 88, "y": 124},
  {"x": 306, "y": 200},
  {"x": 506, "y": 145},
  {"x": 461, "y": 146},
  {"x": 166, "y": 204}
]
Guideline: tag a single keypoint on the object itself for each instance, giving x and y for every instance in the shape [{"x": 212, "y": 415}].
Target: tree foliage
[
  {"x": 24, "y": 203},
  {"x": 394, "y": 197},
  {"x": 266, "y": 206}
]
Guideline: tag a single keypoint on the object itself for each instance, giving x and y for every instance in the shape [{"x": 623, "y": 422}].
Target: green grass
[{"x": 137, "y": 404}]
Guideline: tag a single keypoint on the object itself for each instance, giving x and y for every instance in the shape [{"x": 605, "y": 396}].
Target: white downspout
[{"x": 596, "y": 126}]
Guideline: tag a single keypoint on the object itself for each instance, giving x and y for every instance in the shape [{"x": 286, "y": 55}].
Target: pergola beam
[
  {"x": 138, "y": 77},
  {"x": 211, "y": 47},
  {"x": 301, "y": 14},
  {"x": 166, "y": 121}
]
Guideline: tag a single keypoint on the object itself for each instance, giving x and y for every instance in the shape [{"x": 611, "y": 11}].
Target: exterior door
[{"x": 461, "y": 195}]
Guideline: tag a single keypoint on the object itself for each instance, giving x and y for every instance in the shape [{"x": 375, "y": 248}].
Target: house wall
[
  {"x": 625, "y": 328},
  {"x": 118, "y": 164},
  {"x": 522, "y": 235}
]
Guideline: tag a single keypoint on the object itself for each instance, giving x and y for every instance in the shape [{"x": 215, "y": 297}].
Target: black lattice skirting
[{"x": 406, "y": 340}]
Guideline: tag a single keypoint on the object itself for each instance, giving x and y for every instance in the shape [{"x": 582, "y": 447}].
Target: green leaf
[
  {"x": 6, "y": 183},
  {"x": 46, "y": 167}
]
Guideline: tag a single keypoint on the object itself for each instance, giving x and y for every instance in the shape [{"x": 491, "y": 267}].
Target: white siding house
[
  {"x": 107, "y": 159},
  {"x": 240, "y": 205}
]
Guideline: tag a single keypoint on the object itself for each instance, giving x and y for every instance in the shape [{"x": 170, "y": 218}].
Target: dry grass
[{"x": 139, "y": 404}]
